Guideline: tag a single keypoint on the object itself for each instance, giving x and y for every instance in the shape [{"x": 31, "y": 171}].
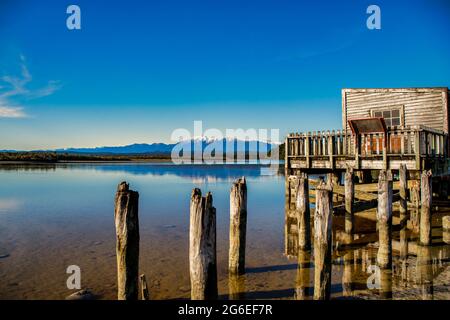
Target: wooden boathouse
[
  {"x": 388, "y": 134},
  {"x": 382, "y": 128}
]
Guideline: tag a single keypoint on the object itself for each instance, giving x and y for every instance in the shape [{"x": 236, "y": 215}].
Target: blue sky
[{"x": 137, "y": 70}]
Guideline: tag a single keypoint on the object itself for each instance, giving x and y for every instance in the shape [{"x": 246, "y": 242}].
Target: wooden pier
[
  {"x": 418, "y": 148},
  {"x": 398, "y": 137}
]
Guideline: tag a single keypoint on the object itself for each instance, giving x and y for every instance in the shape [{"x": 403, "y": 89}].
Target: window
[{"x": 392, "y": 116}]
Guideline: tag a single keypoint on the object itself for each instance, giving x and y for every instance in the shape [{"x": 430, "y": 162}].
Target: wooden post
[
  {"x": 303, "y": 214},
  {"x": 302, "y": 278},
  {"x": 127, "y": 242},
  {"x": 330, "y": 148},
  {"x": 322, "y": 240},
  {"x": 286, "y": 154},
  {"x": 384, "y": 219},
  {"x": 336, "y": 181},
  {"x": 403, "y": 190},
  {"x": 144, "y": 288},
  {"x": 446, "y": 229},
  {"x": 238, "y": 226},
  {"x": 357, "y": 151},
  {"x": 403, "y": 213},
  {"x": 308, "y": 149},
  {"x": 417, "y": 150},
  {"x": 385, "y": 144},
  {"x": 202, "y": 247},
  {"x": 349, "y": 187},
  {"x": 425, "y": 209},
  {"x": 415, "y": 199},
  {"x": 403, "y": 242}
]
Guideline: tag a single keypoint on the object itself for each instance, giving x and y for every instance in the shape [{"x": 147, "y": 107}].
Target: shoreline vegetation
[
  {"x": 58, "y": 157},
  {"x": 54, "y": 157}
]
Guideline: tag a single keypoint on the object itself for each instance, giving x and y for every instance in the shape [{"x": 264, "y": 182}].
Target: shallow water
[{"x": 53, "y": 216}]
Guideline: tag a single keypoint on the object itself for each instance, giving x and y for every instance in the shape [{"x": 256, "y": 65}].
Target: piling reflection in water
[
  {"x": 236, "y": 287},
  {"x": 302, "y": 283},
  {"x": 413, "y": 271},
  {"x": 385, "y": 283},
  {"x": 424, "y": 272},
  {"x": 350, "y": 260}
]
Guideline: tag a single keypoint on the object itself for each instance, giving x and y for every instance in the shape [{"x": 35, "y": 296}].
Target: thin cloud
[
  {"x": 9, "y": 112},
  {"x": 13, "y": 88}
]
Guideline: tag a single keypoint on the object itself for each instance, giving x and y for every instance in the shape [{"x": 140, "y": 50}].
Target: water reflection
[
  {"x": 424, "y": 272},
  {"x": 9, "y": 204},
  {"x": 302, "y": 283},
  {"x": 414, "y": 267},
  {"x": 236, "y": 287},
  {"x": 66, "y": 210},
  {"x": 198, "y": 173},
  {"x": 347, "y": 274}
]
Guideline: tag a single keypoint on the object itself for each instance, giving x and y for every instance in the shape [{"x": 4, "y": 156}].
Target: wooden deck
[{"x": 418, "y": 147}]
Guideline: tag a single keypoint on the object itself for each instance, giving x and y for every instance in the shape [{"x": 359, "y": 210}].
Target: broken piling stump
[
  {"x": 426, "y": 195},
  {"x": 349, "y": 185},
  {"x": 446, "y": 229},
  {"x": 415, "y": 212},
  {"x": 384, "y": 219},
  {"x": 202, "y": 247},
  {"x": 403, "y": 190},
  {"x": 238, "y": 227},
  {"x": 303, "y": 213},
  {"x": 127, "y": 242},
  {"x": 323, "y": 240}
]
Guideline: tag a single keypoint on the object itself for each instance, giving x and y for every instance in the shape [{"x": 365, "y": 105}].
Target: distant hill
[
  {"x": 137, "y": 148},
  {"x": 165, "y": 149}
]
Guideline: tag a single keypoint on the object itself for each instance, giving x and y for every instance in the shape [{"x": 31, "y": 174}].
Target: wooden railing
[{"x": 414, "y": 142}]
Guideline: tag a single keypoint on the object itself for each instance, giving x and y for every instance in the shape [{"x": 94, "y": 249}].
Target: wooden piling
[
  {"x": 336, "y": 178},
  {"x": 238, "y": 227},
  {"x": 322, "y": 240},
  {"x": 349, "y": 185},
  {"x": 403, "y": 190},
  {"x": 446, "y": 229},
  {"x": 202, "y": 247},
  {"x": 403, "y": 213},
  {"x": 127, "y": 242},
  {"x": 384, "y": 219},
  {"x": 415, "y": 212},
  {"x": 303, "y": 213},
  {"x": 425, "y": 209}
]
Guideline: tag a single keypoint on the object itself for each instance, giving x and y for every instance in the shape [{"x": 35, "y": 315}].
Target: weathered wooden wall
[{"x": 421, "y": 106}]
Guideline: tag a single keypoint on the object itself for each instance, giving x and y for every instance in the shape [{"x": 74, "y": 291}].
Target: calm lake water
[{"x": 53, "y": 216}]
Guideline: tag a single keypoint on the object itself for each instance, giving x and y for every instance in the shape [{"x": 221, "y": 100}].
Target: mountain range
[{"x": 163, "y": 148}]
